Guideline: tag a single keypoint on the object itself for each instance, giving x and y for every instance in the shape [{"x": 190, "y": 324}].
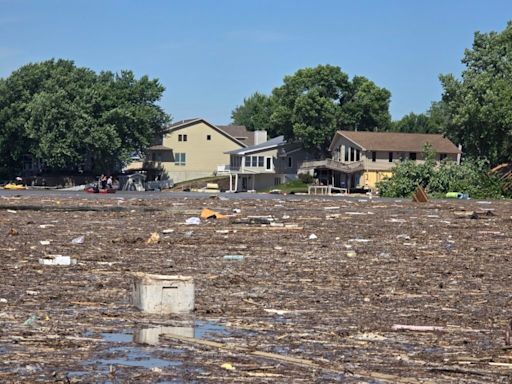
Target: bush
[
  {"x": 471, "y": 177},
  {"x": 306, "y": 178}
]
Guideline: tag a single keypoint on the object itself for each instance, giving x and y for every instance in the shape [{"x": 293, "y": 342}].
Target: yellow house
[
  {"x": 195, "y": 148},
  {"x": 360, "y": 159}
]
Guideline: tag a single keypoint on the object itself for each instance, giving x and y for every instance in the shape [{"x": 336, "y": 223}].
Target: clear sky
[{"x": 210, "y": 54}]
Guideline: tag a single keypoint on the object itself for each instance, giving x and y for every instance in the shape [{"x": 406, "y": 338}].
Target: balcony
[
  {"x": 332, "y": 165},
  {"x": 152, "y": 165},
  {"x": 226, "y": 169}
]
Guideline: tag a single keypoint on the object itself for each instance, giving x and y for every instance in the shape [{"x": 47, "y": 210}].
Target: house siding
[
  {"x": 202, "y": 155},
  {"x": 381, "y": 168}
]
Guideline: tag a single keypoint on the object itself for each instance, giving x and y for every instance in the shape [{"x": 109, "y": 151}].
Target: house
[
  {"x": 260, "y": 166},
  {"x": 360, "y": 159},
  {"x": 195, "y": 148}
]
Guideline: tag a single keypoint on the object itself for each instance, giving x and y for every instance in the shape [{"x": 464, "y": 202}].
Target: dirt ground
[{"x": 335, "y": 308}]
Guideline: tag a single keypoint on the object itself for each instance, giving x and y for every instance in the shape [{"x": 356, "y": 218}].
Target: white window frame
[{"x": 180, "y": 158}]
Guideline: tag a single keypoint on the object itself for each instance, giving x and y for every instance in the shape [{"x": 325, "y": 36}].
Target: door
[{"x": 244, "y": 183}]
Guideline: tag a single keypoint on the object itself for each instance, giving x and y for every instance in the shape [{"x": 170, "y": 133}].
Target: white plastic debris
[
  {"x": 193, "y": 221},
  {"x": 45, "y": 242},
  {"x": 57, "y": 260},
  {"x": 11, "y": 211},
  {"x": 78, "y": 240},
  {"x": 237, "y": 210},
  {"x": 167, "y": 231},
  {"x": 313, "y": 237}
]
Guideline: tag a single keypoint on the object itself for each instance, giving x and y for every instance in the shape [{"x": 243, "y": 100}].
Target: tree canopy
[
  {"x": 432, "y": 121},
  {"x": 67, "y": 116},
  {"x": 479, "y": 105},
  {"x": 313, "y": 103},
  {"x": 254, "y": 113}
]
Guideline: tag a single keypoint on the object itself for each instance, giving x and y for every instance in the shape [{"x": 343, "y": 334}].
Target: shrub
[
  {"x": 471, "y": 177},
  {"x": 306, "y": 178}
]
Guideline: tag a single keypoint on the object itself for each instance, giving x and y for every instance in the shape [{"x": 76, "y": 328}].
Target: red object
[{"x": 94, "y": 190}]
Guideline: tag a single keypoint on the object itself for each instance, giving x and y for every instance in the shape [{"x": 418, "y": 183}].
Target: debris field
[{"x": 351, "y": 290}]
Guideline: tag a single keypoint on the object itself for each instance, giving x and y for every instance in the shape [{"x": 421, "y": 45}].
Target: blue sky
[{"x": 210, "y": 54}]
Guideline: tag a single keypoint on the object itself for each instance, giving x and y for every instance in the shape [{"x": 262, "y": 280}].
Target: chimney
[{"x": 260, "y": 137}]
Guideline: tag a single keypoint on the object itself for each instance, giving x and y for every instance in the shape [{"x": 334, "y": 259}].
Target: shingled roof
[
  {"x": 398, "y": 141},
  {"x": 240, "y": 132}
]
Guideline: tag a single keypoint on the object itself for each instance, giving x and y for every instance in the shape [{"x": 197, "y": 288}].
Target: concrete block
[{"x": 163, "y": 294}]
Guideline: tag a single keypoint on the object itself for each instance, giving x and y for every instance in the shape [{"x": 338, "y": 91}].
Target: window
[
  {"x": 390, "y": 157},
  {"x": 346, "y": 154},
  {"x": 352, "y": 154},
  {"x": 208, "y": 137},
  {"x": 374, "y": 156},
  {"x": 358, "y": 155},
  {"x": 247, "y": 161},
  {"x": 182, "y": 137},
  {"x": 254, "y": 161},
  {"x": 261, "y": 161},
  {"x": 179, "y": 158},
  {"x": 412, "y": 156},
  {"x": 442, "y": 156},
  {"x": 290, "y": 162},
  {"x": 268, "y": 165}
]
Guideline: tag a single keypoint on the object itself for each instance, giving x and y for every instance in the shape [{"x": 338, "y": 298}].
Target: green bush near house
[
  {"x": 471, "y": 177},
  {"x": 306, "y": 178},
  {"x": 294, "y": 186}
]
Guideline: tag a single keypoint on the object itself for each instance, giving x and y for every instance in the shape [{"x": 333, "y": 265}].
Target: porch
[{"x": 336, "y": 176}]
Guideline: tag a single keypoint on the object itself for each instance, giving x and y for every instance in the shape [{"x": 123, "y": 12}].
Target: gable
[{"x": 192, "y": 123}]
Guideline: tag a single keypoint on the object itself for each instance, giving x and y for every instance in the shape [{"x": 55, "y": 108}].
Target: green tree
[
  {"x": 313, "y": 103},
  {"x": 255, "y": 113},
  {"x": 66, "y": 116},
  {"x": 432, "y": 121},
  {"x": 414, "y": 123},
  {"x": 479, "y": 105}
]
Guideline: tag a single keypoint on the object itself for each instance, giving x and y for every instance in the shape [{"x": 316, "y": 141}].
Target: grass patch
[{"x": 293, "y": 186}]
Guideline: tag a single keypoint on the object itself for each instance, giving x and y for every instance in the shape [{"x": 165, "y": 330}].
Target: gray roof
[
  {"x": 181, "y": 122},
  {"x": 239, "y": 132},
  {"x": 270, "y": 144},
  {"x": 159, "y": 148},
  {"x": 398, "y": 141}
]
